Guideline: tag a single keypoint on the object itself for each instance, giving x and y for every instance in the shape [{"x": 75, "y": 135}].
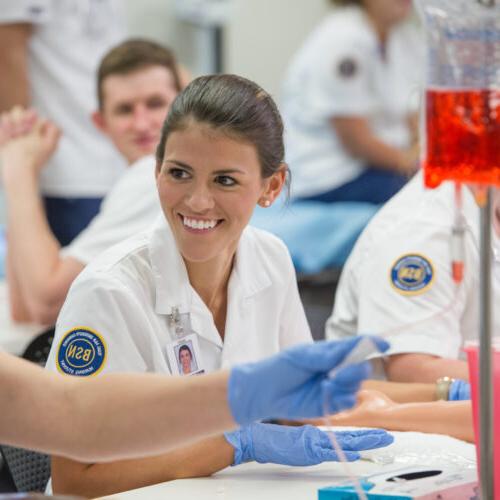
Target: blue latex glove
[
  {"x": 459, "y": 390},
  {"x": 294, "y": 384},
  {"x": 305, "y": 445}
]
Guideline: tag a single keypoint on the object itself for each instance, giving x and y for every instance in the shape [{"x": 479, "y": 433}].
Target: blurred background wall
[{"x": 258, "y": 41}]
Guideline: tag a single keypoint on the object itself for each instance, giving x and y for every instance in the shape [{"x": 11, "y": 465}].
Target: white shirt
[
  {"x": 340, "y": 71},
  {"x": 68, "y": 41},
  {"x": 432, "y": 316},
  {"x": 129, "y": 208},
  {"x": 125, "y": 296}
]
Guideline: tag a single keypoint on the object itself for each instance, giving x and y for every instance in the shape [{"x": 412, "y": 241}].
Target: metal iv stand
[
  {"x": 486, "y": 396},
  {"x": 486, "y": 437}
]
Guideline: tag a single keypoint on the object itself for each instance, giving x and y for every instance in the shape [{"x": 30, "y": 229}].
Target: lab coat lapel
[
  {"x": 172, "y": 285},
  {"x": 250, "y": 277}
]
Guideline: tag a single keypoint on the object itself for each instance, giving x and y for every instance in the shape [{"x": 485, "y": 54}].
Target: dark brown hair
[
  {"x": 234, "y": 106},
  {"x": 132, "y": 55}
]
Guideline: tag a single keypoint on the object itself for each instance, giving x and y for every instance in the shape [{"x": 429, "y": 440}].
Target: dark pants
[
  {"x": 372, "y": 186},
  {"x": 68, "y": 217}
]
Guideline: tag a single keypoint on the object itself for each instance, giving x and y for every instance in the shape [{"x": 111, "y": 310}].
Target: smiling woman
[{"x": 200, "y": 277}]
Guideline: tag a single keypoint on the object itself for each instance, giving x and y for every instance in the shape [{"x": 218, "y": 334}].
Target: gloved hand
[
  {"x": 294, "y": 384},
  {"x": 305, "y": 445},
  {"x": 459, "y": 390}
]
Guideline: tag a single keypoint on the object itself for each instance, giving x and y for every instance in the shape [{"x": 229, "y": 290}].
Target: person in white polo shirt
[
  {"x": 349, "y": 103},
  {"x": 200, "y": 278},
  {"x": 137, "y": 81},
  {"x": 399, "y": 282},
  {"x": 49, "y": 53}
]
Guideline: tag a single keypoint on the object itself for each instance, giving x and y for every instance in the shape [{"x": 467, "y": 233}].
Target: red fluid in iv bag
[{"x": 463, "y": 136}]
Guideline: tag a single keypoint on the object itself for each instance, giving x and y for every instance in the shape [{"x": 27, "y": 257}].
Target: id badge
[
  {"x": 184, "y": 353},
  {"x": 184, "y": 356}
]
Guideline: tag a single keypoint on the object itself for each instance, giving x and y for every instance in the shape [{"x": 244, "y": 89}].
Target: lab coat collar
[
  {"x": 250, "y": 274},
  {"x": 170, "y": 274},
  {"x": 250, "y": 269}
]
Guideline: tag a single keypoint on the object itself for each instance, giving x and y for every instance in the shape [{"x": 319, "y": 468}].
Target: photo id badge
[{"x": 184, "y": 356}]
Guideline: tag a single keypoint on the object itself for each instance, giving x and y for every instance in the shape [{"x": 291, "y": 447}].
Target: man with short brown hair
[{"x": 138, "y": 82}]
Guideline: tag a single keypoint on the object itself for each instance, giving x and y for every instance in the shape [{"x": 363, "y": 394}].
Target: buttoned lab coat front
[{"x": 126, "y": 295}]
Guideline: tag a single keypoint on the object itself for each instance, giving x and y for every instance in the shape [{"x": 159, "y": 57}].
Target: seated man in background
[
  {"x": 403, "y": 283},
  {"x": 136, "y": 83}
]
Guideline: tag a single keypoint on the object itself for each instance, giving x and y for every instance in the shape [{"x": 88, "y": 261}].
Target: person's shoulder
[
  {"x": 121, "y": 263},
  {"x": 346, "y": 24},
  {"x": 25, "y": 11},
  {"x": 268, "y": 250},
  {"x": 414, "y": 214},
  {"x": 140, "y": 174},
  {"x": 146, "y": 162},
  {"x": 135, "y": 192},
  {"x": 265, "y": 241}
]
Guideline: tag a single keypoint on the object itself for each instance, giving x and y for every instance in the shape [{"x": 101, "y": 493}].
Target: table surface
[
  {"x": 270, "y": 482},
  {"x": 14, "y": 337}
]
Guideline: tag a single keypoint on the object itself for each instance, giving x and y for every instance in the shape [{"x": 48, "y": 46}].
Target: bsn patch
[
  {"x": 81, "y": 352},
  {"x": 412, "y": 274}
]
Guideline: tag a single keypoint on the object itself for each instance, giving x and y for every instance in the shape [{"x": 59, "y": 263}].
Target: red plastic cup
[{"x": 472, "y": 350}]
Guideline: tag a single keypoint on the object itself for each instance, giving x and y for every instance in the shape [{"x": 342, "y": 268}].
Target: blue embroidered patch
[
  {"x": 81, "y": 352},
  {"x": 412, "y": 274}
]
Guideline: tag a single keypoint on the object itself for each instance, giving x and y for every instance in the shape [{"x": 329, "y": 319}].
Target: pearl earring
[{"x": 267, "y": 203}]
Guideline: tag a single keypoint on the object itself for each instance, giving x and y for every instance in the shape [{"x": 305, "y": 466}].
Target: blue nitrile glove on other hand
[
  {"x": 459, "y": 391},
  {"x": 305, "y": 445},
  {"x": 294, "y": 384}
]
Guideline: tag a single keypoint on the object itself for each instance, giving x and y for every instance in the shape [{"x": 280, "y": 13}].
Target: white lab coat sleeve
[
  {"x": 104, "y": 307},
  {"x": 426, "y": 322},
  {"x": 25, "y": 11},
  {"x": 339, "y": 83},
  {"x": 342, "y": 323},
  {"x": 294, "y": 328}
]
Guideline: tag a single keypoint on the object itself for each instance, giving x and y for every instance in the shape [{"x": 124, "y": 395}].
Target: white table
[
  {"x": 14, "y": 337},
  {"x": 272, "y": 482}
]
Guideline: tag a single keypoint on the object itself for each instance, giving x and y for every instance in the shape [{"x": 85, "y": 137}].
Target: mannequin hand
[
  {"x": 295, "y": 384},
  {"x": 304, "y": 445},
  {"x": 368, "y": 412}
]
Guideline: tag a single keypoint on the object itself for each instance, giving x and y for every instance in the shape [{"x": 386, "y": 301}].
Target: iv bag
[{"x": 461, "y": 139}]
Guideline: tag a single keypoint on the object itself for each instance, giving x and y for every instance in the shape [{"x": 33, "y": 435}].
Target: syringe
[{"x": 365, "y": 348}]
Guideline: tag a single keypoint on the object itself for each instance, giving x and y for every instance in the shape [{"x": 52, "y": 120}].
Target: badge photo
[{"x": 184, "y": 356}]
